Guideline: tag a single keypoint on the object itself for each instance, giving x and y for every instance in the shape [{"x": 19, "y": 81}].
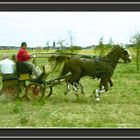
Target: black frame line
[
  {"x": 69, "y": 2},
  {"x": 70, "y": 7},
  {"x": 70, "y": 132}
]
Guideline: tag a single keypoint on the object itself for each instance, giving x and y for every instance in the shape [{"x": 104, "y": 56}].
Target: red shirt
[{"x": 23, "y": 55}]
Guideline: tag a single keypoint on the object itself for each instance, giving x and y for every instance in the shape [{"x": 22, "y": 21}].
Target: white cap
[{"x": 5, "y": 55}]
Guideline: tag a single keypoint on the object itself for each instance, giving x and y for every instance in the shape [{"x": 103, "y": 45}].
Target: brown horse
[{"x": 98, "y": 67}]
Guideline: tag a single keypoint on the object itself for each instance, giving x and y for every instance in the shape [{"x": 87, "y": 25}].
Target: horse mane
[{"x": 115, "y": 48}]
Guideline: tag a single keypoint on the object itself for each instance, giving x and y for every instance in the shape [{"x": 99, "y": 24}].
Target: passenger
[{"x": 7, "y": 66}]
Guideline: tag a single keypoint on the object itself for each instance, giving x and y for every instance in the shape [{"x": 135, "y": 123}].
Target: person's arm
[{"x": 26, "y": 56}]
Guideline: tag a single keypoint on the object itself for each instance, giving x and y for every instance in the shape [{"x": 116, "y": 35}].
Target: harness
[
  {"x": 112, "y": 61},
  {"x": 100, "y": 73}
]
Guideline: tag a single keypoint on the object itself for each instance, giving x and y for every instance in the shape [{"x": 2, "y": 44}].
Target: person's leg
[{"x": 36, "y": 71}]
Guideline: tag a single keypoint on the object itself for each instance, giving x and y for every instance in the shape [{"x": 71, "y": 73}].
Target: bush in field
[
  {"x": 103, "y": 48},
  {"x": 136, "y": 41}
]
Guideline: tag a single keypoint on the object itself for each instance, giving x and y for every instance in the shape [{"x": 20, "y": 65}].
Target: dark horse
[{"x": 98, "y": 67}]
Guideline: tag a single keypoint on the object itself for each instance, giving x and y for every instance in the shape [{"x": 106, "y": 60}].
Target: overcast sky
[{"x": 86, "y": 28}]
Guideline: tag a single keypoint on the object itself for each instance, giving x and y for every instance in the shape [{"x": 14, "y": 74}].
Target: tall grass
[{"x": 118, "y": 108}]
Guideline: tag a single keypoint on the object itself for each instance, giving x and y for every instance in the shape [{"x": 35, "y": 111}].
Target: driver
[{"x": 24, "y": 57}]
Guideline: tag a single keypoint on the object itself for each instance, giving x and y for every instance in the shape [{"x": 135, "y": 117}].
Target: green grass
[{"x": 118, "y": 108}]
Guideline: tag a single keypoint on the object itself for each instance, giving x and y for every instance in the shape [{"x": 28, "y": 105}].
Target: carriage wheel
[
  {"x": 48, "y": 91},
  {"x": 35, "y": 91},
  {"x": 10, "y": 92}
]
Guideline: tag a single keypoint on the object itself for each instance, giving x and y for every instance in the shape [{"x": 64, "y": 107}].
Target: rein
[
  {"x": 112, "y": 61},
  {"x": 97, "y": 59}
]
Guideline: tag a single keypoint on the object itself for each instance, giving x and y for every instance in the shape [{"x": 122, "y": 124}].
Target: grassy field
[{"x": 118, "y": 108}]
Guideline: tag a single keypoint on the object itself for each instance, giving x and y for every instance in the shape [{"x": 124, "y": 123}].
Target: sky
[{"x": 86, "y": 28}]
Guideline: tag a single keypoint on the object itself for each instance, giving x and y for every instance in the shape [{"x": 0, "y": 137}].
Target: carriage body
[
  {"x": 23, "y": 83},
  {"x": 10, "y": 86},
  {"x": 14, "y": 84}
]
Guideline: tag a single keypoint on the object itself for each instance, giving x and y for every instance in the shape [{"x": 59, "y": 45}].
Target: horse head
[
  {"x": 125, "y": 55},
  {"x": 119, "y": 52}
]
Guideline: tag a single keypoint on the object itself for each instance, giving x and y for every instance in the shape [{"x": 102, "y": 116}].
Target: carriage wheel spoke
[{"x": 34, "y": 91}]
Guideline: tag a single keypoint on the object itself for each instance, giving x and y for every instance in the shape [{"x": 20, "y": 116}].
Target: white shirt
[{"x": 7, "y": 66}]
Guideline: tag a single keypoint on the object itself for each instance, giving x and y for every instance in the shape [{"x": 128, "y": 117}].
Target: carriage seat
[
  {"x": 23, "y": 71},
  {"x": 22, "y": 68},
  {"x": 9, "y": 80},
  {"x": 9, "y": 77}
]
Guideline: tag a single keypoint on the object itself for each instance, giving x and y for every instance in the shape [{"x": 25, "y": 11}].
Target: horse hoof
[
  {"x": 97, "y": 93},
  {"x": 97, "y": 99},
  {"x": 101, "y": 91}
]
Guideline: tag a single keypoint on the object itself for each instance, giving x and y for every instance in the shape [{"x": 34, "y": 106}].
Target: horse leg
[
  {"x": 68, "y": 84},
  {"x": 97, "y": 93},
  {"x": 101, "y": 87},
  {"x": 68, "y": 88},
  {"x": 82, "y": 89},
  {"x": 75, "y": 88},
  {"x": 75, "y": 76},
  {"x": 78, "y": 86},
  {"x": 110, "y": 82},
  {"x": 103, "y": 83}
]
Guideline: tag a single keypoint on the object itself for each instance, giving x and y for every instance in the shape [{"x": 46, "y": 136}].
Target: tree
[
  {"x": 70, "y": 38},
  {"x": 71, "y": 44},
  {"x": 101, "y": 46},
  {"x": 47, "y": 45},
  {"x": 136, "y": 41},
  {"x": 53, "y": 44},
  {"x": 61, "y": 43},
  {"x": 110, "y": 44}
]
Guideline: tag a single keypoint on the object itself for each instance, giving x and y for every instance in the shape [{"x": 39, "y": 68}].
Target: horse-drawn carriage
[
  {"x": 23, "y": 84},
  {"x": 101, "y": 68}
]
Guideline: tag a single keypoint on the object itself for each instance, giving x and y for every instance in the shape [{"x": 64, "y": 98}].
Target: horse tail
[
  {"x": 58, "y": 61},
  {"x": 65, "y": 70}
]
